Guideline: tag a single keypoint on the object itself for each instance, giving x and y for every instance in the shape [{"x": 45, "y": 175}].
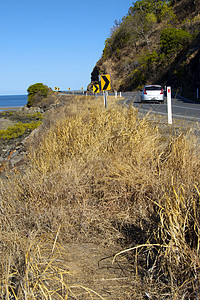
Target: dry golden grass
[{"x": 108, "y": 177}]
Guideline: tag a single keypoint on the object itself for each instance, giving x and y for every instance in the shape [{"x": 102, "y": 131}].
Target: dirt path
[{"x": 93, "y": 269}]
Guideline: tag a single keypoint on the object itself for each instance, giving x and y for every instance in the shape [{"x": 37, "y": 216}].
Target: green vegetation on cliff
[{"x": 173, "y": 40}]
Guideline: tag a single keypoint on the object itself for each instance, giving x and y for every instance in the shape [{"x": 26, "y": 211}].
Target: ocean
[{"x": 8, "y": 102}]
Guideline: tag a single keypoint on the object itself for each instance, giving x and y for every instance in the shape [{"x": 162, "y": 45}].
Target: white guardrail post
[{"x": 169, "y": 105}]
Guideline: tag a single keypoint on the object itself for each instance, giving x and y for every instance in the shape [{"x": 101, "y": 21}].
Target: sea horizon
[{"x": 12, "y": 101}]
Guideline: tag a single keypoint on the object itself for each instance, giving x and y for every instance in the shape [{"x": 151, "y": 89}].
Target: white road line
[
  {"x": 174, "y": 115},
  {"x": 188, "y": 108}
]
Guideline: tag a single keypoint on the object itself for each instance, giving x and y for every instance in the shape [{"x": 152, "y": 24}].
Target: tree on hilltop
[{"x": 36, "y": 92}]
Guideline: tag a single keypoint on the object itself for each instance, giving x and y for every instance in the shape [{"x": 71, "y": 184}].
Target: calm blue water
[{"x": 13, "y": 101}]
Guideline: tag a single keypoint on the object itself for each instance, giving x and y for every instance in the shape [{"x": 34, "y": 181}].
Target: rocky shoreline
[{"x": 13, "y": 151}]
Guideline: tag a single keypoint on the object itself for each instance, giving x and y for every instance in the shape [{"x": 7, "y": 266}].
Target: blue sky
[{"x": 54, "y": 42}]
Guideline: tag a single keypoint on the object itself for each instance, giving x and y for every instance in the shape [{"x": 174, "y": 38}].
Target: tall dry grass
[{"x": 109, "y": 177}]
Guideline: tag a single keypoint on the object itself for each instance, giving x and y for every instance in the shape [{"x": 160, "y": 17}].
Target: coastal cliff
[{"x": 156, "y": 42}]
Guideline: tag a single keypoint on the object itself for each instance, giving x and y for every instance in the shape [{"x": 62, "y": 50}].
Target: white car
[{"x": 152, "y": 93}]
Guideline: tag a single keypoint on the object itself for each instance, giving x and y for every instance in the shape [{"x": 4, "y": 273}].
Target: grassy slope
[{"x": 106, "y": 177}]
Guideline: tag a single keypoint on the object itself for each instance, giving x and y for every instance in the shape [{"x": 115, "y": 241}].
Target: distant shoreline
[{"x": 9, "y": 108}]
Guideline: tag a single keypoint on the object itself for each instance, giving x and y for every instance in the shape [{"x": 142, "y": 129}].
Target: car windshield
[{"x": 153, "y": 88}]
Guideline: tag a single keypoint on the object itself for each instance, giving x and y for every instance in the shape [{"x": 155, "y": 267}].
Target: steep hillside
[{"x": 156, "y": 42}]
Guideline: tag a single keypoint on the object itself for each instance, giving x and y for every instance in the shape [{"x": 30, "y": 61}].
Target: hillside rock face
[
  {"x": 133, "y": 60},
  {"x": 193, "y": 65}
]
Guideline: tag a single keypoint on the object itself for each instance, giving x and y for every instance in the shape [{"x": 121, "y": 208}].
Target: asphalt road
[{"x": 181, "y": 108}]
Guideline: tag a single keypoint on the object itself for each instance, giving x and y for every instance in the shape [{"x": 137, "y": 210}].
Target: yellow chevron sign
[
  {"x": 105, "y": 82},
  {"x": 96, "y": 88}
]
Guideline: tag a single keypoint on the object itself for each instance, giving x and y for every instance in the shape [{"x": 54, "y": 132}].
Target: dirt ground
[{"x": 93, "y": 269}]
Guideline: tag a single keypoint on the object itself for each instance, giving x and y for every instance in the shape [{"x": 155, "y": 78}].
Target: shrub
[
  {"x": 138, "y": 78},
  {"x": 161, "y": 9},
  {"x": 173, "y": 40},
  {"x": 18, "y": 130},
  {"x": 116, "y": 42},
  {"x": 36, "y": 115},
  {"x": 36, "y": 92}
]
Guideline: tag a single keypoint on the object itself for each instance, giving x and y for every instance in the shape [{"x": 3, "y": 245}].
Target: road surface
[{"x": 181, "y": 109}]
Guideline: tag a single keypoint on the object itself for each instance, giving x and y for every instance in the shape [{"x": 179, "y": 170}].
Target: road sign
[
  {"x": 105, "y": 82},
  {"x": 96, "y": 88}
]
